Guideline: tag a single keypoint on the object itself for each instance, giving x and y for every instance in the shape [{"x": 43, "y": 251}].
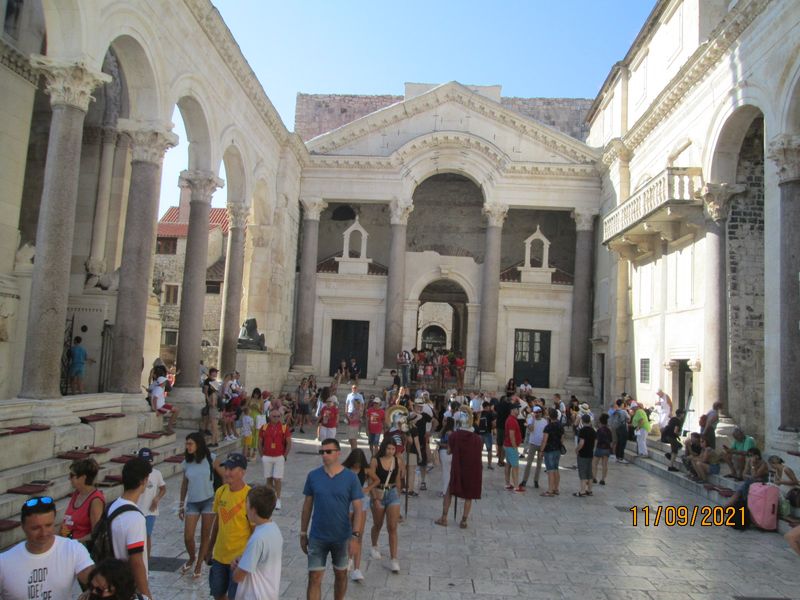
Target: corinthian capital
[
  {"x": 584, "y": 221},
  {"x": 147, "y": 144},
  {"x": 496, "y": 213},
  {"x": 784, "y": 151},
  {"x": 400, "y": 211},
  {"x": 313, "y": 207},
  {"x": 203, "y": 184},
  {"x": 716, "y": 198},
  {"x": 237, "y": 214},
  {"x": 69, "y": 83}
]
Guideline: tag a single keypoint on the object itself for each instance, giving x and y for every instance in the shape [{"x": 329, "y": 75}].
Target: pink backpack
[{"x": 762, "y": 503}]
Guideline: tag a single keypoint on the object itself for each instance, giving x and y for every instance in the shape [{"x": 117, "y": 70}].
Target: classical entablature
[{"x": 450, "y": 128}]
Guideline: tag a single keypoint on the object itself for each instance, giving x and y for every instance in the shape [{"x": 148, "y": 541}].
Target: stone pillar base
[
  {"x": 487, "y": 381},
  {"x": 190, "y": 401},
  {"x": 54, "y": 412}
]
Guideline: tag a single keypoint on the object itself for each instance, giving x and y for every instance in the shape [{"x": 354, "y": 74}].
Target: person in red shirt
[
  {"x": 328, "y": 417},
  {"x": 513, "y": 438},
  {"x": 274, "y": 444},
  {"x": 375, "y": 415},
  {"x": 461, "y": 366}
]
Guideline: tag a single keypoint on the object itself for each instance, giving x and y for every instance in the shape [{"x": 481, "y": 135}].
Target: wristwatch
[{"x": 356, "y": 534}]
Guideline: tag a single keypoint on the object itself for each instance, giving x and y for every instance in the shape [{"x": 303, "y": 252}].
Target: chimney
[{"x": 186, "y": 197}]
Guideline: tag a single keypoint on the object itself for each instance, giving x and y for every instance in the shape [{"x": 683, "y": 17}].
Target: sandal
[
  {"x": 186, "y": 567},
  {"x": 463, "y": 524},
  {"x": 197, "y": 575},
  {"x": 441, "y": 521},
  {"x": 547, "y": 494},
  {"x": 579, "y": 494}
]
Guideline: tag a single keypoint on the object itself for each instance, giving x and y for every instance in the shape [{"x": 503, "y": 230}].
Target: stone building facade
[{"x": 618, "y": 244}]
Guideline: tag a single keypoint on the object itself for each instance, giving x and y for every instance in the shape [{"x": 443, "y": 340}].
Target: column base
[
  {"x": 190, "y": 401},
  {"x": 581, "y": 387},
  {"x": 487, "y": 381},
  {"x": 304, "y": 369}
]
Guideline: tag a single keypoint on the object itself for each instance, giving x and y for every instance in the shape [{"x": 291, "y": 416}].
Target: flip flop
[
  {"x": 441, "y": 522},
  {"x": 579, "y": 494},
  {"x": 547, "y": 494},
  {"x": 463, "y": 524},
  {"x": 186, "y": 567}
]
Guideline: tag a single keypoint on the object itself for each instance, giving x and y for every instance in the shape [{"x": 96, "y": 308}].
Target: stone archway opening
[{"x": 443, "y": 304}]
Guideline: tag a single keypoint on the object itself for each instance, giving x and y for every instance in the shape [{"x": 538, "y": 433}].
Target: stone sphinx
[{"x": 249, "y": 338}]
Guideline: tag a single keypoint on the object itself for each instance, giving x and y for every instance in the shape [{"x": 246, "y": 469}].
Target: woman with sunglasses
[
  {"x": 110, "y": 579},
  {"x": 86, "y": 504}
]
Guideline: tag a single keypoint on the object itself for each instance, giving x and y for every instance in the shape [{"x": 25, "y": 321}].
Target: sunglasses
[
  {"x": 38, "y": 500},
  {"x": 97, "y": 590},
  {"x": 327, "y": 451}
]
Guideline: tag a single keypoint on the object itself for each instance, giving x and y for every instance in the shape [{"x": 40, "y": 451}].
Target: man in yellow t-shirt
[{"x": 231, "y": 527}]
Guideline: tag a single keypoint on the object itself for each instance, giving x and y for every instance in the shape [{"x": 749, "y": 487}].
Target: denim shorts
[
  {"x": 487, "y": 440},
  {"x": 512, "y": 456},
  {"x": 388, "y": 497},
  {"x": 204, "y": 507},
  {"x": 374, "y": 439},
  {"x": 601, "y": 452},
  {"x": 318, "y": 554},
  {"x": 150, "y": 521},
  {"x": 220, "y": 580},
  {"x": 551, "y": 459}
]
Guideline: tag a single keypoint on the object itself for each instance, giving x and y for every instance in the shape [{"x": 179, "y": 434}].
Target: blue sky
[{"x": 534, "y": 48}]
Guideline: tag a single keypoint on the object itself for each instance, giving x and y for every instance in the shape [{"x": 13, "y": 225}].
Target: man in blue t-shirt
[
  {"x": 77, "y": 365},
  {"x": 329, "y": 491}
]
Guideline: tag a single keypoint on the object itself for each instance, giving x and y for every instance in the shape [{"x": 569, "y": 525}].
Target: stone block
[
  {"x": 26, "y": 448},
  {"x": 115, "y": 430},
  {"x": 69, "y": 437}
]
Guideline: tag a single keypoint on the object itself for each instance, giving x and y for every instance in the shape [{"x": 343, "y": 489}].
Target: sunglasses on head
[
  {"x": 38, "y": 500},
  {"x": 327, "y": 451}
]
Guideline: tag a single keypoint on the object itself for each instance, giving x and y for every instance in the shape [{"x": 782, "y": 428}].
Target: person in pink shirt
[
  {"x": 375, "y": 416},
  {"x": 328, "y": 417}
]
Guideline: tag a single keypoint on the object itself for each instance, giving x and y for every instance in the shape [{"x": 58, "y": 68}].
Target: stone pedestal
[
  {"x": 232, "y": 289},
  {"x": 307, "y": 290},
  {"x": 128, "y": 361},
  {"x": 69, "y": 86},
  {"x": 202, "y": 186}
]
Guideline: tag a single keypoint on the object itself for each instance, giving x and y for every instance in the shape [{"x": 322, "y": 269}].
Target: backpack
[
  {"x": 215, "y": 477},
  {"x": 100, "y": 545}
]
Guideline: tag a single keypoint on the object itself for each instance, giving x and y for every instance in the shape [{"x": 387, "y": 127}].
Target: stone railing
[{"x": 673, "y": 184}]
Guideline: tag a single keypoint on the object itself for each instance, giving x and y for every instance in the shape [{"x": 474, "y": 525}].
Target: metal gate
[
  {"x": 66, "y": 355},
  {"x": 105, "y": 356}
]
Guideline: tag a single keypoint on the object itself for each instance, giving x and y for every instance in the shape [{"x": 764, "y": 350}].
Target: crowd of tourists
[{"x": 410, "y": 434}]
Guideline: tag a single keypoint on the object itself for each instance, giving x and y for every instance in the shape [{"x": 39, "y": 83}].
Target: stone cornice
[
  {"x": 552, "y": 139},
  {"x": 694, "y": 70},
  {"x": 212, "y": 24},
  {"x": 16, "y": 61}
]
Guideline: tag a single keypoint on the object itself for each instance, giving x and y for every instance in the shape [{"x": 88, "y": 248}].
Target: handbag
[{"x": 563, "y": 449}]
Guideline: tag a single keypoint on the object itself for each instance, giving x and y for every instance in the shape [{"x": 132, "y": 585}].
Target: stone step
[{"x": 166, "y": 446}]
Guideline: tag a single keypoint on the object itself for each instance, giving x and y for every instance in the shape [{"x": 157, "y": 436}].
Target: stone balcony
[{"x": 661, "y": 209}]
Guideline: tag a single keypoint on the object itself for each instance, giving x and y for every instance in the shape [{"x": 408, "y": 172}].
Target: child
[
  {"x": 602, "y": 451},
  {"x": 258, "y": 570},
  {"x": 155, "y": 490},
  {"x": 585, "y": 451},
  {"x": 248, "y": 425},
  {"x": 429, "y": 373}
]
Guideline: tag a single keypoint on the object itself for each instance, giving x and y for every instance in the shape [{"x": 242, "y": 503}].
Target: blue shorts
[
  {"x": 551, "y": 459},
  {"x": 318, "y": 555},
  {"x": 512, "y": 456},
  {"x": 389, "y": 497},
  {"x": 220, "y": 580},
  {"x": 713, "y": 469},
  {"x": 77, "y": 370},
  {"x": 601, "y": 452},
  {"x": 374, "y": 439},
  {"x": 204, "y": 507},
  {"x": 150, "y": 521},
  {"x": 487, "y": 440}
]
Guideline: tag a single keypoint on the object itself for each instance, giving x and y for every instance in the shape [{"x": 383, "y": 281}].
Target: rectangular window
[
  {"x": 165, "y": 245},
  {"x": 170, "y": 294},
  {"x": 644, "y": 370},
  {"x": 169, "y": 337},
  {"x": 522, "y": 345},
  {"x": 213, "y": 287}
]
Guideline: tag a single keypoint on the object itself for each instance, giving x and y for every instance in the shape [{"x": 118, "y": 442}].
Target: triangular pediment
[{"x": 455, "y": 110}]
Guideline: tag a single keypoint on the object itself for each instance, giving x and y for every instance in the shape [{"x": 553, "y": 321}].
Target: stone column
[
  {"x": 96, "y": 263},
  {"x": 581, "y": 300},
  {"x": 135, "y": 277},
  {"x": 784, "y": 150},
  {"x": 395, "y": 284},
  {"x": 232, "y": 289},
  {"x": 202, "y": 186},
  {"x": 307, "y": 291},
  {"x": 490, "y": 287},
  {"x": 69, "y": 86},
  {"x": 716, "y": 197}
]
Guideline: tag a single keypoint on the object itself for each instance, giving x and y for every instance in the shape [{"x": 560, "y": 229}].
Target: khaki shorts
[
  {"x": 352, "y": 432},
  {"x": 412, "y": 460}
]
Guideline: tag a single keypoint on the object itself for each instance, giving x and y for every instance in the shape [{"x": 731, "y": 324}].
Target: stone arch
[
  {"x": 141, "y": 90},
  {"x": 236, "y": 174},
  {"x": 435, "y": 274},
  {"x": 727, "y": 141},
  {"x": 65, "y": 26},
  {"x": 789, "y": 120},
  {"x": 197, "y": 114}
]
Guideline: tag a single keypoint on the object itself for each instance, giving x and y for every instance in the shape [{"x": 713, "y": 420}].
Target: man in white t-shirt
[
  {"x": 155, "y": 490},
  {"x": 44, "y": 565},
  {"x": 258, "y": 570},
  {"x": 535, "y": 433},
  {"x": 158, "y": 402},
  {"x": 129, "y": 529}
]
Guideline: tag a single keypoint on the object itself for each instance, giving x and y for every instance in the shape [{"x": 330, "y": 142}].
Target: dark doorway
[
  {"x": 449, "y": 292},
  {"x": 433, "y": 338},
  {"x": 532, "y": 357},
  {"x": 349, "y": 339}
]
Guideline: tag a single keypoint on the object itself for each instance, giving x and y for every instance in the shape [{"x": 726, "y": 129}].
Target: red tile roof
[{"x": 168, "y": 225}]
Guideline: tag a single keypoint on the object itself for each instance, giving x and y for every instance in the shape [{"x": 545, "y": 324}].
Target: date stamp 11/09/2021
[{"x": 687, "y": 516}]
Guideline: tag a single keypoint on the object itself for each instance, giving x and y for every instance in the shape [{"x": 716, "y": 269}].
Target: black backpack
[
  {"x": 215, "y": 477},
  {"x": 100, "y": 545}
]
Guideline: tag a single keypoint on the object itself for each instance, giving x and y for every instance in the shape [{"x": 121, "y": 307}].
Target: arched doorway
[
  {"x": 433, "y": 338},
  {"x": 443, "y": 302}
]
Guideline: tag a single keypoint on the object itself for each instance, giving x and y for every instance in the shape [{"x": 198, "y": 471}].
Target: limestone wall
[{"x": 745, "y": 238}]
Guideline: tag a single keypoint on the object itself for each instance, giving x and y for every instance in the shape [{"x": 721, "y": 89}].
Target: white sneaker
[
  {"x": 623, "y": 461},
  {"x": 375, "y": 553},
  {"x": 395, "y": 566},
  {"x": 357, "y": 575},
  {"x": 278, "y": 504}
]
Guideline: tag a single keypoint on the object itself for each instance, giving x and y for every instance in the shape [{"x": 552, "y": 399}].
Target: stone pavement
[{"x": 523, "y": 545}]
